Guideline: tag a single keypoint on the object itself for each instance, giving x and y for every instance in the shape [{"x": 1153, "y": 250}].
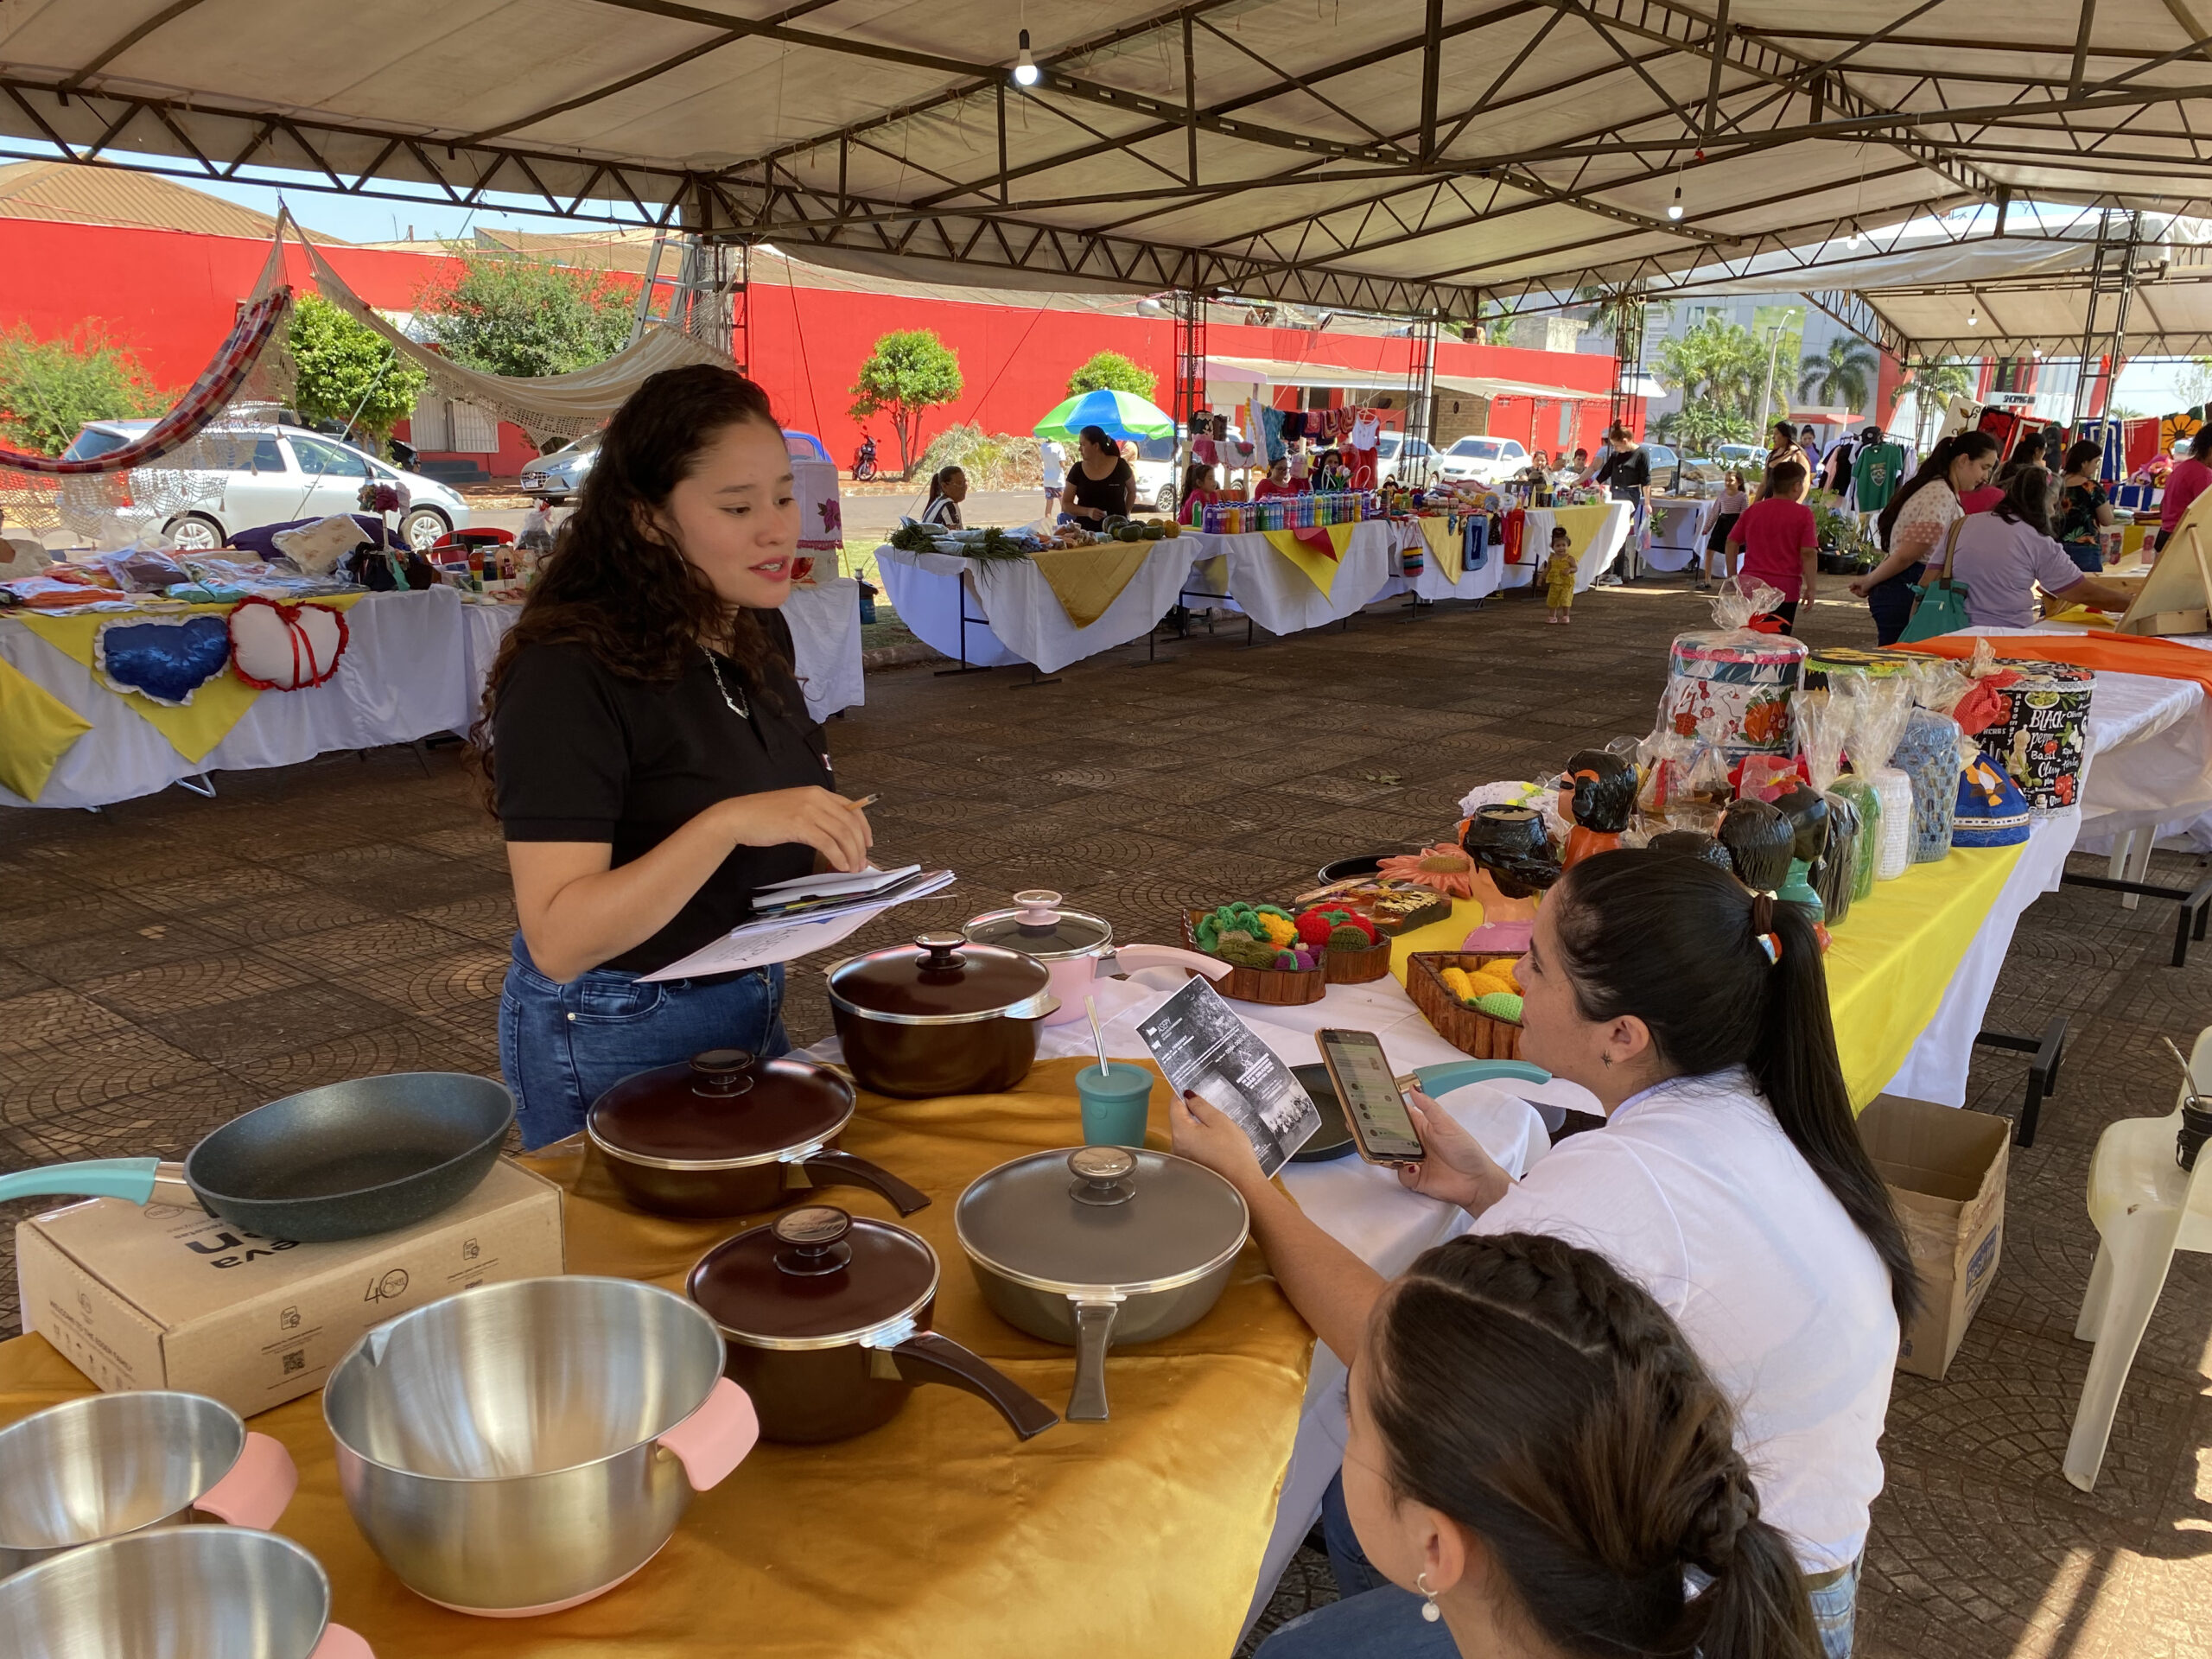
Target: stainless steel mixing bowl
[
  {"x": 519, "y": 1448},
  {"x": 110, "y": 1464},
  {"x": 176, "y": 1592}
]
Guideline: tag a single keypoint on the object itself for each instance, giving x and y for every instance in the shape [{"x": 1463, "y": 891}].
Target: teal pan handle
[
  {"x": 94, "y": 1177},
  {"x": 1452, "y": 1074}
]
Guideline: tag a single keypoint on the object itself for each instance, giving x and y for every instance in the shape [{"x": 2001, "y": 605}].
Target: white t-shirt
[
  {"x": 1692, "y": 1190},
  {"x": 1934, "y": 507},
  {"x": 1056, "y": 462}
]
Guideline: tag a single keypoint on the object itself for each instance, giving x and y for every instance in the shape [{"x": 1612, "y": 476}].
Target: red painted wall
[{"x": 170, "y": 296}]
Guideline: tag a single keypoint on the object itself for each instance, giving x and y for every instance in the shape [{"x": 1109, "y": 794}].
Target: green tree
[
  {"x": 50, "y": 388},
  {"x": 1111, "y": 371},
  {"x": 507, "y": 314},
  {"x": 909, "y": 372},
  {"x": 1935, "y": 385},
  {"x": 347, "y": 372},
  {"x": 1701, "y": 426},
  {"x": 1719, "y": 363},
  {"x": 1845, "y": 374}
]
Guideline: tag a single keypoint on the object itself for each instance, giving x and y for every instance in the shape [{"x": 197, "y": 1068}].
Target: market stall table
[
  {"x": 1454, "y": 562},
  {"x": 1287, "y": 585},
  {"x": 1677, "y": 533},
  {"x": 1054, "y": 608},
  {"x": 1598, "y": 531}
]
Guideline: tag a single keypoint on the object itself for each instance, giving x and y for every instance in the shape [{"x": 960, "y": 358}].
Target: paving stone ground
[{"x": 171, "y": 961}]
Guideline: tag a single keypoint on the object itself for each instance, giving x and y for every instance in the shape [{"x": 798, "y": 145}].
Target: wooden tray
[
  {"x": 1277, "y": 987},
  {"x": 1356, "y": 967},
  {"x": 1469, "y": 1030}
]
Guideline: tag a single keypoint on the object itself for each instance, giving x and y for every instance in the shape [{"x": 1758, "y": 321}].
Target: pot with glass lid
[
  {"x": 728, "y": 1133},
  {"x": 825, "y": 1323},
  {"x": 940, "y": 1016},
  {"x": 1099, "y": 1246},
  {"x": 1076, "y": 948}
]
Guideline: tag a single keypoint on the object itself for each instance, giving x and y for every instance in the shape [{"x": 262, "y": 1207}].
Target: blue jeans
[
  {"x": 2089, "y": 557},
  {"x": 562, "y": 1046},
  {"x": 1891, "y": 603},
  {"x": 1377, "y": 1620}
]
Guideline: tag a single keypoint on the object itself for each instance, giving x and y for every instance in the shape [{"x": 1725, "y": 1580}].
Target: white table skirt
[
  {"x": 1683, "y": 540},
  {"x": 1282, "y": 599},
  {"x": 1476, "y": 582},
  {"x": 1596, "y": 558},
  {"x": 1024, "y": 620}
]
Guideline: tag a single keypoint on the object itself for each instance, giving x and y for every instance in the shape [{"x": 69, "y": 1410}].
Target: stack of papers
[{"x": 800, "y": 916}]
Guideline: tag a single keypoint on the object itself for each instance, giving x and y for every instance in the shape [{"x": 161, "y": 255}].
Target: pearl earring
[{"x": 1429, "y": 1610}]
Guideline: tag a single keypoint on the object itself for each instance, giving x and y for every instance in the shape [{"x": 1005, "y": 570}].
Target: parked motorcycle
[{"x": 864, "y": 460}]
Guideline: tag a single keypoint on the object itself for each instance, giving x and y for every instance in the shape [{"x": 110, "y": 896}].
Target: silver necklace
[{"x": 737, "y": 705}]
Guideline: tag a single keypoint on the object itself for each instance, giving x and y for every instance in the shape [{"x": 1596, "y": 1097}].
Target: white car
[
  {"x": 1481, "y": 460},
  {"x": 1154, "y": 466},
  {"x": 280, "y": 473},
  {"x": 1410, "y": 461},
  {"x": 559, "y": 476}
]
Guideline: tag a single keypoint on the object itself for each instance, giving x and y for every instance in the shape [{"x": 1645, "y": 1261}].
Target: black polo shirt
[{"x": 582, "y": 754}]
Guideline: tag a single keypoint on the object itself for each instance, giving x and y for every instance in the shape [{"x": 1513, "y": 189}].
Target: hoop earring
[{"x": 1429, "y": 1610}]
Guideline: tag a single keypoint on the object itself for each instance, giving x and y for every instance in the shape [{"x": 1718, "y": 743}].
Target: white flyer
[
  {"x": 756, "y": 945},
  {"x": 1207, "y": 1049}
]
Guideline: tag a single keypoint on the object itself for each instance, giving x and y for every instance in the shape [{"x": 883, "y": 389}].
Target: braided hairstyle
[{"x": 1524, "y": 1388}]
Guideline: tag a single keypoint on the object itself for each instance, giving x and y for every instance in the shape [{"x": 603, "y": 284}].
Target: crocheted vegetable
[
  {"x": 1279, "y": 928},
  {"x": 1345, "y": 936},
  {"x": 1456, "y": 981},
  {"x": 1308, "y": 960},
  {"x": 1250, "y": 920},
  {"x": 1501, "y": 1005},
  {"x": 1286, "y": 959},
  {"x": 1247, "y": 953},
  {"x": 1314, "y": 926},
  {"x": 1486, "y": 984}
]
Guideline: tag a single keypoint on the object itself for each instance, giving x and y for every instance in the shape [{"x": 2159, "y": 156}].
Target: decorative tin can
[
  {"x": 1734, "y": 689},
  {"x": 2040, "y": 740}
]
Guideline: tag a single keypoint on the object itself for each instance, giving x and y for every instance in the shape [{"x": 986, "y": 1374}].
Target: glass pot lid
[
  {"x": 721, "y": 1109},
  {"x": 1124, "y": 1218},
  {"x": 815, "y": 1277},
  {"x": 941, "y": 979},
  {"x": 1038, "y": 927}
]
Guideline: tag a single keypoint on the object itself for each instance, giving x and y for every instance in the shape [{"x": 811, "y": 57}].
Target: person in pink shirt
[
  {"x": 2185, "y": 483},
  {"x": 1780, "y": 541}
]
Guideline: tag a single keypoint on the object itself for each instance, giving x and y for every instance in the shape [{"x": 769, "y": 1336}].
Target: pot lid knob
[
  {"x": 1102, "y": 1175},
  {"x": 813, "y": 1240},
  {"x": 940, "y": 950},
  {"x": 1038, "y": 907},
  {"x": 723, "y": 1071}
]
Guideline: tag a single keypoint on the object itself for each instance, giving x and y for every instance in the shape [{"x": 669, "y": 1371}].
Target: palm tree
[
  {"x": 1934, "y": 384},
  {"x": 1842, "y": 375},
  {"x": 1716, "y": 363}
]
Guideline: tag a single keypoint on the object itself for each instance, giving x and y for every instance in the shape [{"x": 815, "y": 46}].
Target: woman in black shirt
[
  {"x": 1102, "y": 484},
  {"x": 650, "y": 757}
]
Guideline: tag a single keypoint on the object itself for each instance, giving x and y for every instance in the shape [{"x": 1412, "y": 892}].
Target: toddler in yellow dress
[{"x": 1559, "y": 576}]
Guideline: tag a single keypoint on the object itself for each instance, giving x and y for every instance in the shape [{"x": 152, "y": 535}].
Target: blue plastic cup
[{"x": 1115, "y": 1103}]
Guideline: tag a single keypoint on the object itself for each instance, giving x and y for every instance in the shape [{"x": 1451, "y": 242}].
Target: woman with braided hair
[
  {"x": 1729, "y": 1181},
  {"x": 1537, "y": 1453}
]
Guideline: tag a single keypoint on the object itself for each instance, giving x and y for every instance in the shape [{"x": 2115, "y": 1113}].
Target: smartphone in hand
[{"x": 1375, "y": 1111}]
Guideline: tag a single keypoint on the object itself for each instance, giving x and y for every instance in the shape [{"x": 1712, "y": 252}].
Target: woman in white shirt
[
  {"x": 947, "y": 489},
  {"x": 1727, "y": 507},
  {"x": 1729, "y": 1181},
  {"x": 1916, "y": 522}
]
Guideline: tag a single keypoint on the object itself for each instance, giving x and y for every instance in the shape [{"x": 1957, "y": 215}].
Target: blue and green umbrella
[{"x": 1121, "y": 414}]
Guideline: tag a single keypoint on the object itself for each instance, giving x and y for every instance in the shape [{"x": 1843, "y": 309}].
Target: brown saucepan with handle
[
  {"x": 940, "y": 1016},
  {"x": 729, "y": 1134},
  {"x": 825, "y": 1323}
]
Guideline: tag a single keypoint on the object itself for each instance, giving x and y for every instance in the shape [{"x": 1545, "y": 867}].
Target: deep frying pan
[{"x": 342, "y": 1161}]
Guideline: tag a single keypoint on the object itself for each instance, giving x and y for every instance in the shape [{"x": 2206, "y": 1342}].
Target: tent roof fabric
[
  {"x": 56, "y": 191},
  {"x": 1483, "y": 385},
  {"x": 1284, "y": 371},
  {"x": 1432, "y": 155}
]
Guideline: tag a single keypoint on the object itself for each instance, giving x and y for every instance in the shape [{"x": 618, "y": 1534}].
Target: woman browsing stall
[
  {"x": 650, "y": 754},
  {"x": 1916, "y": 522},
  {"x": 1729, "y": 1181}
]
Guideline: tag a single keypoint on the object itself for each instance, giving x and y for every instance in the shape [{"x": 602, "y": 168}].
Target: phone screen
[{"x": 1374, "y": 1110}]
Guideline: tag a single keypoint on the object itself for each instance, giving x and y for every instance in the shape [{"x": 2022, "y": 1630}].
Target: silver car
[
  {"x": 1481, "y": 459},
  {"x": 559, "y": 476},
  {"x": 280, "y": 473}
]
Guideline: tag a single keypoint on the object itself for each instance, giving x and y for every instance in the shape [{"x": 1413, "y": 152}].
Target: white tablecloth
[
  {"x": 1678, "y": 545},
  {"x": 1024, "y": 621},
  {"x": 1476, "y": 582},
  {"x": 414, "y": 667},
  {"x": 1282, "y": 599},
  {"x": 1596, "y": 558}
]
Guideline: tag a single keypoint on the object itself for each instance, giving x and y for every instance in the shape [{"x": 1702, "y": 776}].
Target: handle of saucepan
[
  {"x": 1134, "y": 957},
  {"x": 93, "y": 1178},
  {"x": 1452, "y": 1074},
  {"x": 830, "y": 1167},
  {"x": 713, "y": 1440},
  {"x": 1094, "y": 1329},
  {"x": 338, "y": 1642},
  {"x": 260, "y": 1483},
  {"x": 927, "y": 1357}
]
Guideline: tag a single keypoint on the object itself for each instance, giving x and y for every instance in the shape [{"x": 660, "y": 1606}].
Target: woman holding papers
[{"x": 649, "y": 753}]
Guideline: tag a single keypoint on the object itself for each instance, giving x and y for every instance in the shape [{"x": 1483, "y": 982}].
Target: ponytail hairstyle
[
  {"x": 1196, "y": 477},
  {"x": 1522, "y": 1387},
  {"x": 2027, "y": 500},
  {"x": 1935, "y": 469},
  {"x": 1723, "y": 977},
  {"x": 2081, "y": 455},
  {"x": 939, "y": 480}
]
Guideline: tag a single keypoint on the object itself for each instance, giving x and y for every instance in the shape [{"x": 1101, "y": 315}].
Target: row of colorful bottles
[{"x": 1286, "y": 512}]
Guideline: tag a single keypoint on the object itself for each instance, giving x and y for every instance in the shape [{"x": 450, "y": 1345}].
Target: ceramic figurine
[
  {"x": 1841, "y": 876},
  {"x": 1696, "y": 843},
  {"x": 1806, "y": 809},
  {"x": 1599, "y": 792},
  {"x": 1758, "y": 839},
  {"x": 1513, "y": 863}
]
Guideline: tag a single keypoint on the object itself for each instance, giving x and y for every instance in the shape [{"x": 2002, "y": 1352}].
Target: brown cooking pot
[
  {"x": 940, "y": 1016},
  {"x": 729, "y": 1134},
  {"x": 825, "y": 1322}
]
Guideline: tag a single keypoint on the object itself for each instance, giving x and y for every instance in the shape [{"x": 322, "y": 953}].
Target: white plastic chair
[{"x": 2145, "y": 1207}]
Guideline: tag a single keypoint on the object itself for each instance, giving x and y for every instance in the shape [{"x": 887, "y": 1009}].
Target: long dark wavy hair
[
  {"x": 614, "y": 583},
  {"x": 1935, "y": 469}
]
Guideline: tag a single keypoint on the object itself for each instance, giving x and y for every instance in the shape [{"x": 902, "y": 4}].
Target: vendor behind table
[
  {"x": 1102, "y": 484},
  {"x": 649, "y": 754}
]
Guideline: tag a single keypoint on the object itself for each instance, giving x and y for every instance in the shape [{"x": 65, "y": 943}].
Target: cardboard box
[
  {"x": 1945, "y": 1168},
  {"x": 161, "y": 1297}
]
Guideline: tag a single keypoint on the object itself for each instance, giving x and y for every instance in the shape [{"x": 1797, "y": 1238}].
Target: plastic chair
[{"x": 2145, "y": 1207}]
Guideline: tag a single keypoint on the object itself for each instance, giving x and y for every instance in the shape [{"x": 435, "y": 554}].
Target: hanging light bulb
[
  {"x": 1973, "y": 319},
  {"x": 1852, "y": 241},
  {"x": 1674, "y": 207},
  {"x": 1024, "y": 67}
]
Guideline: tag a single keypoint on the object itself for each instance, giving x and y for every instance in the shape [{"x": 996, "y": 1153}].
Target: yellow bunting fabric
[
  {"x": 1320, "y": 568},
  {"x": 36, "y": 729},
  {"x": 1445, "y": 545},
  {"x": 1581, "y": 525},
  {"x": 939, "y": 1533},
  {"x": 1086, "y": 580},
  {"x": 193, "y": 730}
]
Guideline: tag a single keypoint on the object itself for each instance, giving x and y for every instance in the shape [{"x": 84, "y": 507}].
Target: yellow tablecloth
[
  {"x": 1086, "y": 580},
  {"x": 1580, "y": 524},
  {"x": 1320, "y": 568},
  {"x": 937, "y": 1534},
  {"x": 36, "y": 729},
  {"x": 1446, "y": 545},
  {"x": 1887, "y": 967}
]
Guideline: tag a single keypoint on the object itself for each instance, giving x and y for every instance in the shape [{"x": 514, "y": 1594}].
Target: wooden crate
[
  {"x": 1469, "y": 1030},
  {"x": 1276, "y": 987}
]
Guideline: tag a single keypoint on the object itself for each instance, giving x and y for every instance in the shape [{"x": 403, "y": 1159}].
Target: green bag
[{"x": 1942, "y": 607}]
